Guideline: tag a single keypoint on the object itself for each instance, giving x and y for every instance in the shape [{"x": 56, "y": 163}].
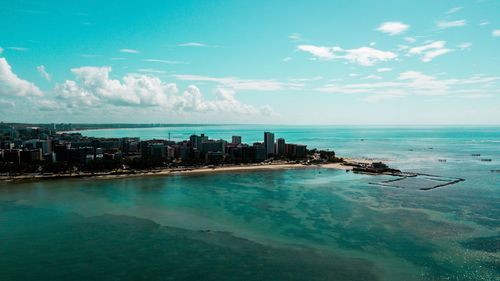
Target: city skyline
[{"x": 362, "y": 62}]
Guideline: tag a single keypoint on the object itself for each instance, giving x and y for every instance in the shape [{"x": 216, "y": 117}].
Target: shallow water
[{"x": 296, "y": 224}]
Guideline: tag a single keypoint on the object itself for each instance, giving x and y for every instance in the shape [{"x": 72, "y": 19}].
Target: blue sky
[{"x": 281, "y": 62}]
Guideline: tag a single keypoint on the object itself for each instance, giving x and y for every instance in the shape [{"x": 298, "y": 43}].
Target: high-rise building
[
  {"x": 269, "y": 143},
  {"x": 259, "y": 151},
  {"x": 213, "y": 146},
  {"x": 157, "y": 150},
  {"x": 196, "y": 141},
  {"x": 296, "y": 150},
  {"x": 31, "y": 155},
  {"x": 45, "y": 145},
  {"x": 236, "y": 139},
  {"x": 280, "y": 146}
]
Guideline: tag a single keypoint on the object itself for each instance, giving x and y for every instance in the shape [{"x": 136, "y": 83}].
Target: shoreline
[{"x": 176, "y": 171}]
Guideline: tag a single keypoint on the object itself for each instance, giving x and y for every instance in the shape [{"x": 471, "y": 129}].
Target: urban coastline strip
[{"x": 35, "y": 153}]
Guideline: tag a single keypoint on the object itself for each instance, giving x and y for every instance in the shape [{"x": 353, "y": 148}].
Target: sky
[{"x": 259, "y": 62}]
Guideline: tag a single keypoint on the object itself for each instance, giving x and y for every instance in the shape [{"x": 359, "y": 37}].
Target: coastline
[{"x": 176, "y": 171}]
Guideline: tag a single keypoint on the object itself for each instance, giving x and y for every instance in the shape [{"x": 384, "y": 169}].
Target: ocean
[{"x": 295, "y": 224}]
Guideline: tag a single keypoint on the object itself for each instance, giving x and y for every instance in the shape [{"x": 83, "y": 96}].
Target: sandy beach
[
  {"x": 228, "y": 168},
  {"x": 177, "y": 171}
]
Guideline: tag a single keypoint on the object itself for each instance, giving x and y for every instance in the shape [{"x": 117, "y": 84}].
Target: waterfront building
[
  {"x": 64, "y": 153},
  {"x": 45, "y": 145},
  {"x": 213, "y": 146},
  {"x": 238, "y": 152},
  {"x": 108, "y": 144},
  {"x": 170, "y": 152},
  {"x": 214, "y": 157},
  {"x": 280, "y": 146},
  {"x": 196, "y": 141},
  {"x": 7, "y": 145},
  {"x": 12, "y": 156},
  {"x": 269, "y": 143},
  {"x": 236, "y": 140},
  {"x": 260, "y": 152},
  {"x": 144, "y": 146},
  {"x": 296, "y": 150},
  {"x": 185, "y": 152},
  {"x": 31, "y": 155},
  {"x": 157, "y": 150}
]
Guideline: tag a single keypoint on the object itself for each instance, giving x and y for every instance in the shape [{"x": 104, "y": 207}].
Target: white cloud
[
  {"x": 373, "y": 43},
  {"x": 192, "y": 44},
  {"x": 424, "y": 84},
  {"x": 12, "y": 85},
  {"x": 495, "y": 33},
  {"x": 48, "y": 105},
  {"x": 476, "y": 96},
  {"x": 151, "y": 70},
  {"x": 164, "y": 61},
  {"x": 403, "y": 47},
  {"x": 134, "y": 90},
  {"x": 7, "y": 104},
  {"x": 318, "y": 51},
  {"x": 235, "y": 83},
  {"x": 308, "y": 79},
  {"x": 226, "y": 101},
  {"x": 431, "y": 50},
  {"x": 129, "y": 51},
  {"x": 484, "y": 22},
  {"x": 93, "y": 88},
  {"x": 287, "y": 59},
  {"x": 393, "y": 27},
  {"x": 454, "y": 10},
  {"x": 89, "y": 56},
  {"x": 410, "y": 39},
  {"x": 192, "y": 101},
  {"x": 295, "y": 37},
  {"x": 464, "y": 46},
  {"x": 372, "y": 77},
  {"x": 43, "y": 72},
  {"x": 266, "y": 110},
  {"x": 384, "y": 69},
  {"x": 414, "y": 83},
  {"x": 365, "y": 56},
  {"x": 75, "y": 96},
  {"x": 368, "y": 56},
  {"x": 430, "y": 55},
  {"x": 379, "y": 98},
  {"x": 424, "y": 48},
  {"x": 447, "y": 24},
  {"x": 19, "y": 49}
]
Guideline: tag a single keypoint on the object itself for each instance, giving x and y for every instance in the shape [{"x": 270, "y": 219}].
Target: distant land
[{"x": 92, "y": 126}]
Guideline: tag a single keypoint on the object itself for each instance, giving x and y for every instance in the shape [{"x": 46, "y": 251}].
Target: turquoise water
[{"x": 297, "y": 224}]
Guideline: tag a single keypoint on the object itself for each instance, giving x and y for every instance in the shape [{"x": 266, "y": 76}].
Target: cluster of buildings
[{"x": 20, "y": 145}]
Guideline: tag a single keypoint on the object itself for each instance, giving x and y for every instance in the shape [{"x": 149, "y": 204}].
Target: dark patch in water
[
  {"x": 42, "y": 244},
  {"x": 489, "y": 244}
]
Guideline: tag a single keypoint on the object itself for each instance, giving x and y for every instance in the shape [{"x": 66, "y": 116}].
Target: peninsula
[{"x": 44, "y": 152}]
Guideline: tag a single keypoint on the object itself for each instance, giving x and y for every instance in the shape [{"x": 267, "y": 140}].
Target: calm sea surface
[{"x": 298, "y": 224}]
